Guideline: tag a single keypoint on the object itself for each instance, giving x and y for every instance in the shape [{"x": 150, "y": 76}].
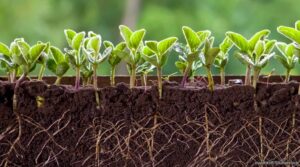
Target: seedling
[
  {"x": 156, "y": 53},
  {"x": 91, "y": 50},
  {"x": 191, "y": 53},
  {"x": 43, "y": 60},
  {"x": 144, "y": 69},
  {"x": 262, "y": 54},
  {"x": 288, "y": 57},
  {"x": 58, "y": 64},
  {"x": 222, "y": 58},
  {"x": 86, "y": 73},
  {"x": 182, "y": 64},
  {"x": 207, "y": 58},
  {"x": 76, "y": 58},
  {"x": 246, "y": 48},
  {"x": 133, "y": 42},
  {"x": 114, "y": 57},
  {"x": 6, "y": 59}
]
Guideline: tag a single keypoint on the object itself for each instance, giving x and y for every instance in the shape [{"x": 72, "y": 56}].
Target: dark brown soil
[{"x": 189, "y": 126}]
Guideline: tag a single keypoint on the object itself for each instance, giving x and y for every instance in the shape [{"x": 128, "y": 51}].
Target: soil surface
[{"x": 233, "y": 126}]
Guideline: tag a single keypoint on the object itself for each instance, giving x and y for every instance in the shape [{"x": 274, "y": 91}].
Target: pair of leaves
[
  {"x": 133, "y": 39},
  {"x": 209, "y": 54},
  {"x": 75, "y": 40},
  {"x": 288, "y": 56},
  {"x": 156, "y": 52},
  {"x": 245, "y": 45},
  {"x": 291, "y": 33},
  {"x": 59, "y": 64},
  {"x": 222, "y": 58},
  {"x": 118, "y": 51},
  {"x": 194, "y": 39}
]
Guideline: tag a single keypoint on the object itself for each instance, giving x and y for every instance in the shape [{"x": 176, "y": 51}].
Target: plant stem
[
  {"x": 159, "y": 82},
  {"x": 77, "y": 81},
  {"x": 13, "y": 75},
  {"x": 112, "y": 77},
  {"x": 144, "y": 79},
  {"x": 9, "y": 77},
  {"x": 222, "y": 75},
  {"x": 132, "y": 76},
  {"x": 255, "y": 77},
  {"x": 95, "y": 82},
  {"x": 58, "y": 79},
  {"x": 185, "y": 74},
  {"x": 41, "y": 73},
  {"x": 248, "y": 75},
  {"x": 287, "y": 76},
  {"x": 210, "y": 79}
]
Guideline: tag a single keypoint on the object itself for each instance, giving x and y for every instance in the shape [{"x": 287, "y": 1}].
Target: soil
[{"x": 189, "y": 126}]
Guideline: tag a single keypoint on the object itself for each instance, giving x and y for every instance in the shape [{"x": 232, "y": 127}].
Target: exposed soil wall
[{"x": 189, "y": 126}]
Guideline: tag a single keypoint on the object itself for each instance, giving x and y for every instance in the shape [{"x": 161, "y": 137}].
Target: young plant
[
  {"x": 156, "y": 53},
  {"x": 86, "y": 73},
  {"x": 144, "y": 69},
  {"x": 246, "y": 48},
  {"x": 194, "y": 42},
  {"x": 28, "y": 56},
  {"x": 114, "y": 57},
  {"x": 288, "y": 57},
  {"x": 92, "y": 51},
  {"x": 6, "y": 60},
  {"x": 43, "y": 60},
  {"x": 76, "y": 58},
  {"x": 262, "y": 54},
  {"x": 133, "y": 42},
  {"x": 58, "y": 63},
  {"x": 207, "y": 58},
  {"x": 222, "y": 58},
  {"x": 182, "y": 64}
]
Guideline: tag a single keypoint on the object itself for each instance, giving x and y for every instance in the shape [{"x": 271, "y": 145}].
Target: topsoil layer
[{"x": 60, "y": 126}]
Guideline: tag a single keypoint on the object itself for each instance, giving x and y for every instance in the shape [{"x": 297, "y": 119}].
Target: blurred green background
[{"x": 45, "y": 20}]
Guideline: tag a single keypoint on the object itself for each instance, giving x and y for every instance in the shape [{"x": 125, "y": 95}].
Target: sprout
[
  {"x": 91, "y": 50},
  {"x": 262, "y": 54},
  {"x": 156, "y": 53},
  {"x": 222, "y": 58},
  {"x": 144, "y": 69},
  {"x": 182, "y": 64},
  {"x": 133, "y": 42},
  {"x": 114, "y": 57},
  {"x": 191, "y": 53},
  {"x": 207, "y": 58},
  {"x": 58, "y": 63},
  {"x": 6, "y": 59},
  {"x": 43, "y": 60},
  {"x": 288, "y": 58},
  {"x": 246, "y": 48},
  {"x": 76, "y": 58}
]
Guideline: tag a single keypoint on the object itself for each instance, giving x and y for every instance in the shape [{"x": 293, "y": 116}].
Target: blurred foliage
[{"x": 46, "y": 19}]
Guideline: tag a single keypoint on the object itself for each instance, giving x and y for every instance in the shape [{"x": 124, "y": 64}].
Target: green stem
[
  {"x": 287, "y": 76},
  {"x": 222, "y": 75},
  {"x": 159, "y": 81},
  {"x": 132, "y": 76},
  {"x": 95, "y": 82},
  {"x": 185, "y": 74},
  {"x": 248, "y": 75},
  {"x": 41, "y": 73},
  {"x": 255, "y": 77},
  {"x": 144, "y": 79},
  {"x": 112, "y": 77},
  {"x": 77, "y": 81},
  {"x": 210, "y": 79},
  {"x": 58, "y": 80},
  {"x": 13, "y": 75}
]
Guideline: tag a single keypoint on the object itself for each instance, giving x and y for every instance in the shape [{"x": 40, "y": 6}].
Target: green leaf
[
  {"x": 245, "y": 59},
  {"x": 211, "y": 55},
  {"x": 163, "y": 60},
  {"x": 259, "y": 48},
  {"x": 94, "y": 43},
  {"x": 290, "y": 33},
  {"x": 78, "y": 40},
  {"x": 238, "y": 40},
  {"x": 108, "y": 44},
  {"x": 290, "y": 50},
  {"x": 136, "y": 38},
  {"x": 192, "y": 57},
  {"x": 5, "y": 59},
  {"x": 203, "y": 35},
  {"x": 283, "y": 61},
  {"x": 57, "y": 54},
  {"x": 121, "y": 46},
  {"x": 165, "y": 45},
  {"x": 191, "y": 37},
  {"x": 24, "y": 48},
  {"x": 151, "y": 59},
  {"x": 36, "y": 51},
  {"x": 269, "y": 46},
  {"x": 70, "y": 34},
  {"x": 281, "y": 47},
  {"x": 265, "y": 60},
  {"x": 181, "y": 66},
  {"x": 226, "y": 45},
  {"x": 147, "y": 51},
  {"x": 62, "y": 68},
  {"x": 91, "y": 34},
  {"x": 51, "y": 65},
  {"x": 126, "y": 33},
  {"x": 297, "y": 25},
  {"x": 4, "y": 49},
  {"x": 256, "y": 37}
]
